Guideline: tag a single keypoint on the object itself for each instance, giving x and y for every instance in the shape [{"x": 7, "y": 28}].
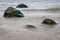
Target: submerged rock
[
  {"x": 30, "y": 26},
  {"x": 49, "y": 22},
  {"x": 12, "y": 12},
  {"x": 22, "y": 6}
]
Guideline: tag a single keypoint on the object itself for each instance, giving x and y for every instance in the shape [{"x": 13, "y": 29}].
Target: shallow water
[{"x": 15, "y": 29}]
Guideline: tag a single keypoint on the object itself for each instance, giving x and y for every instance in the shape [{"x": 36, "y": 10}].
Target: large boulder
[
  {"x": 22, "y": 6},
  {"x": 12, "y": 12},
  {"x": 48, "y": 21}
]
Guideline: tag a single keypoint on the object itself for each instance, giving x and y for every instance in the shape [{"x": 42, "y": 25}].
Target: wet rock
[
  {"x": 49, "y": 22},
  {"x": 30, "y": 26},
  {"x": 12, "y": 12},
  {"x": 22, "y": 6}
]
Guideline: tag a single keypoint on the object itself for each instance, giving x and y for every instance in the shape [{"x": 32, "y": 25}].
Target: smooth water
[{"x": 15, "y": 29}]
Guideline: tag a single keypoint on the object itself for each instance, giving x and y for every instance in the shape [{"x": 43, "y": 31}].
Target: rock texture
[
  {"x": 22, "y": 6},
  {"x": 48, "y": 21},
  {"x": 12, "y": 12}
]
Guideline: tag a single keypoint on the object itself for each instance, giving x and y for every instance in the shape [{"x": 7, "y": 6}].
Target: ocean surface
[{"x": 37, "y": 11}]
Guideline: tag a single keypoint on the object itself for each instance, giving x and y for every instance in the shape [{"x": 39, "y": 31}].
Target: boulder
[
  {"x": 48, "y": 21},
  {"x": 30, "y": 26},
  {"x": 12, "y": 12},
  {"x": 22, "y": 6}
]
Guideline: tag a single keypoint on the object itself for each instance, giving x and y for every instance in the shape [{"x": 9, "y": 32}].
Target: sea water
[{"x": 37, "y": 11}]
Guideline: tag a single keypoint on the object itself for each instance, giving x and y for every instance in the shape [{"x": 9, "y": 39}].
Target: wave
[{"x": 32, "y": 7}]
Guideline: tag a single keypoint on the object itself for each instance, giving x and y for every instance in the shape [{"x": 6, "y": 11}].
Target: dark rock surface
[
  {"x": 22, "y": 6},
  {"x": 12, "y": 12},
  {"x": 48, "y": 21}
]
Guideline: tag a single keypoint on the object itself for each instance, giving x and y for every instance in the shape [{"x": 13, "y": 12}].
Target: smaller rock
[
  {"x": 30, "y": 26},
  {"x": 49, "y": 22},
  {"x": 22, "y": 6}
]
